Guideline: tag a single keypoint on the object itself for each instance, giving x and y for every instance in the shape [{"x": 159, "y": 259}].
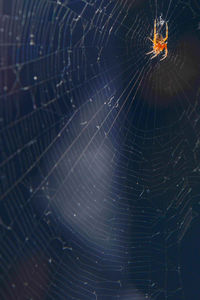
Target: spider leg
[
  {"x": 150, "y": 52},
  {"x": 166, "y": 52},
  {"x": 154, "y": 35},
  {"x": 154, "y": 56},
  {"x": 166, "y": 37},
  {"x": 163, "y": 57},
  {"x": 150, "y": 39}
]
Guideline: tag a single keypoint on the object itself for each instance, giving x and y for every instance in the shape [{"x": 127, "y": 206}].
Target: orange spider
[{"x": 159, "y": 43}]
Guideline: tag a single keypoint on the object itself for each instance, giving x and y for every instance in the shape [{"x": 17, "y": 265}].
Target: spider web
[{"x": 99, "y": 164}]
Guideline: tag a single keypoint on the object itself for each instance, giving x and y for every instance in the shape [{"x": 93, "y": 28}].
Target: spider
[{"x": 159, "y": 43}]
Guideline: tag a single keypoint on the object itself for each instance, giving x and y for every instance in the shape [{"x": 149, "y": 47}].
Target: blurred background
[{"x": 99, "y": 150}]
